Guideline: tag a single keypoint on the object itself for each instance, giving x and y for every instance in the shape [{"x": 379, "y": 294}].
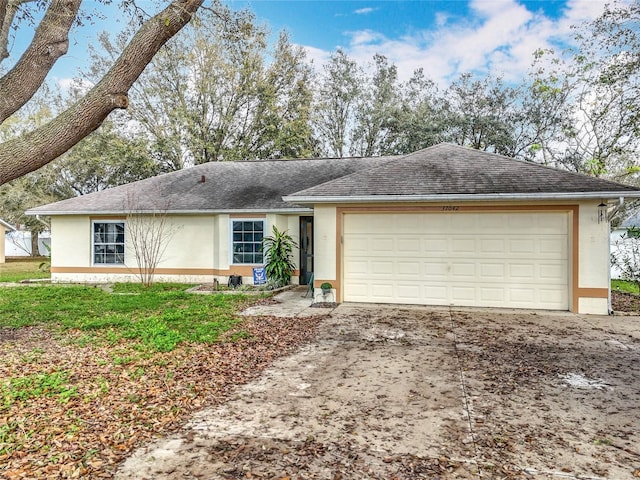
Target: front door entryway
[{"x": 306, "y": 249}]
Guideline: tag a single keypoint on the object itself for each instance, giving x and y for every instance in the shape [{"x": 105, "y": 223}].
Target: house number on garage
[{"x": 450, "y": 208}]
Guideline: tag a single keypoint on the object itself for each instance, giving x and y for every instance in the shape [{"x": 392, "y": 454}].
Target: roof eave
[
  {"x": 293, "y": 209},
  {"x": 307, "y": 200},
  {"x": 8, "y": 226}
]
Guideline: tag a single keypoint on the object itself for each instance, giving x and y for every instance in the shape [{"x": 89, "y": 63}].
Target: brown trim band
[
  {"x": 247, "y": 215},
  {"x": 243, "y": 270},
  {"x": 593, "y": 293}
]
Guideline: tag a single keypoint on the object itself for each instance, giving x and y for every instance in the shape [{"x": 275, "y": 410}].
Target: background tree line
[{"x": 220, "y": 91}]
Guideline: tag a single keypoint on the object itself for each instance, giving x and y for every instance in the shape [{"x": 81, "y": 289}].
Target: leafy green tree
[
  {"x": 377, "y": 111},
  {"x": 481, "y": 114},
  {"x": 218, "y": 91},
  {"x": 104, "y": 159},
  {"x": 421, "y": 120},
  {"x": 337, "y": 97},
  {"x": 600, "y": 82}
]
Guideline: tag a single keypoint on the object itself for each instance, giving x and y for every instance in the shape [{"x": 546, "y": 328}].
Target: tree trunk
[{"x": 35, "y": 249}]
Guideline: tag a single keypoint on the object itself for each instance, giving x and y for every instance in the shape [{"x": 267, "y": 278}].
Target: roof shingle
[{"x": 447, "y": 169}]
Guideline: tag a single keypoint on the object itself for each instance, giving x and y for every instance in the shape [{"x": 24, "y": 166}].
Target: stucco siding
[
  {"x": 325, "y": 247},
  {"x": 189, "y": 243},
  {"x": 588, "y": 260},
  {"x": 2, "y": 242},
  {"x": 70, "y": 241},
  {"x": 594, "y": 248}
]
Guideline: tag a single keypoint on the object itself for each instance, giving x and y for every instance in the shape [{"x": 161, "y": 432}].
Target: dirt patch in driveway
[{"x": 411, "y": 393}]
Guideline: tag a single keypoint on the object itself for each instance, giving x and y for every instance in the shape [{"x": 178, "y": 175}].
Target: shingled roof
[
  {"x": 256, "y": 186},
  {"x": 443, "y": 172},
  {"x": 452, "y": 172}
]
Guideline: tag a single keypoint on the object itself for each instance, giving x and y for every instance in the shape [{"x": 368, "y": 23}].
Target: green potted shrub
[
  {"x": 278, "y": 257},
  {"x": 326, "y": 288}
]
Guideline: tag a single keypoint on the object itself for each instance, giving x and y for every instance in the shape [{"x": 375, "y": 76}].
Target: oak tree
[{"x": 38, "y": 147}]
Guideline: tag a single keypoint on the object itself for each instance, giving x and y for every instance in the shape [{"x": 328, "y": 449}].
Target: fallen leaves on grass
[{"x": 121, "y": 399}]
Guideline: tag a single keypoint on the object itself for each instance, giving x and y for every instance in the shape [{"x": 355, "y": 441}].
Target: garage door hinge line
[{"x": 465, "y": 395}]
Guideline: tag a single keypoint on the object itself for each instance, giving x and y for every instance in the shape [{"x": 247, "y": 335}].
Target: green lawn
[
  {"x": 624, "y": 286},
  {"x": 15, "y": 270},
  {"x": 156, "y": 318}
]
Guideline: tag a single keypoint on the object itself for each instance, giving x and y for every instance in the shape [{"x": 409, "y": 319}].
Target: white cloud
[
  {"x": 364, "y": 11},
  {"x": 499, "y": 36}
]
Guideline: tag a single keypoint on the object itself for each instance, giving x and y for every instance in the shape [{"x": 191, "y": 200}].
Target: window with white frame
[
  {"x": 108, "y": 242},
  {"x": 246, "y": 241}
]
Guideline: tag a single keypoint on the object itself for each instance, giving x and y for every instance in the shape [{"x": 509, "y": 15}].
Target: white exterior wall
[
  {"x": 70, "y": 242},
  {"x": 594, "y": 258},
  {"x": 190, "y": 243},
  {"x": 198, "y": 250},
  {"x": 593, "y": 255},
  {"x": 222, "y": 235},
  {"x": 2, "y": 242},
  {"x": 324, "y": 244}
]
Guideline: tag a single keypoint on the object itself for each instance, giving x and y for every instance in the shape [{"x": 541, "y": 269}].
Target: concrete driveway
[{"x": 411, "y": 392}]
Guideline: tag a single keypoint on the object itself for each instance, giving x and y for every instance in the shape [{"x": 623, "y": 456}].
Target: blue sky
[{"x": 443, "y": 37}]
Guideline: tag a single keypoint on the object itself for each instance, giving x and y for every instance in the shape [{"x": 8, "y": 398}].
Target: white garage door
[{"x": 515, "y": 260}]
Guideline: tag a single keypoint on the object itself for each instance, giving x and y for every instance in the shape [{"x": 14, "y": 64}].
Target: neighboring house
[
  {"x": 4, "y": 229},
  {"x": 621, "y": 244},
  {"x": 18, "y": 243},
  {"x": 446, "y": 225}
]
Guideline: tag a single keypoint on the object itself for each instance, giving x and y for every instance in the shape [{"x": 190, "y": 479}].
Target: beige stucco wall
[
  {"x": 189, "y": 248},
  {"x": 70, "y": 242},
  {"x": 594, "y": 258},
  {"x": 197, "y": 250},
  {"x": 2, "y": 240},
  {"x": 324, "y": 244},
  {"x": 593, "y": 254}
]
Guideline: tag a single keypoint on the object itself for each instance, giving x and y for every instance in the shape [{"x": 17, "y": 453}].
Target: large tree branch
[
  {"x": 34, "y": 150},
  {"x": 49, "y": 43}
]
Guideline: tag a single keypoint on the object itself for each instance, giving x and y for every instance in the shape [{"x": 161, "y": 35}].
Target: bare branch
[{"x": 35, "y": 149}]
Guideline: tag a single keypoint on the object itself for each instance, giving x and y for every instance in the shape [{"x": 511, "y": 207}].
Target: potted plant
[
  {"x": 326, "y": 288},
  {"x": 278, "y": 250}
]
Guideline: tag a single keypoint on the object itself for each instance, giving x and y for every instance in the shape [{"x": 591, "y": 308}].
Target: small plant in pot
[{"x": 326, "y": 288}]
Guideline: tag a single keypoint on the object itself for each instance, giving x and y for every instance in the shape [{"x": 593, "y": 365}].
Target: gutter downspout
[{"x": 610, "y": 214}]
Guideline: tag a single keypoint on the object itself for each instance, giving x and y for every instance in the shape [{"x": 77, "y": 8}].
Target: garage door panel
[
  {"x": 383, "y": 244},
  {"x": 408, "y": 245},
  {"x": 508, "y": 259},
  {"x": 492, "y": 295},
  {"x": 438, "y": 293},
  {"x": 406, "y": 291},
  {"x": 463, "y": 295},
  {"x": 435, "y": 271},
  {"x": 465, "y": 270},
  {"x": 463, "y": 245},
  {"x": 382, "y": 268},
  {"x": 409, "y": 268},
  {"x": 491, "y": 245},
  {"x": 434, "y": 245},
  {"x": 358, "y": 245},
  {"x": 492, "y": 271},
  {"x": 552, "y": 272}
]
